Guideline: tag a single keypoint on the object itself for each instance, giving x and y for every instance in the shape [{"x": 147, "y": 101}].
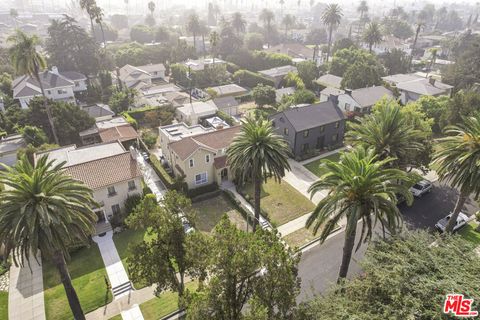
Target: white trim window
[
  {"x": 207, "y": 158},
  {"x": 190, "y": 163},
  {"x": 201, "y": 178}
]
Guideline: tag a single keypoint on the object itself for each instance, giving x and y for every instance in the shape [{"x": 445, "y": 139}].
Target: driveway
[{"x": 151, "y": 178}]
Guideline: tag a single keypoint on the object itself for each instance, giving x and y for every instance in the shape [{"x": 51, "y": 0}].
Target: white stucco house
[
  {"x": 108, "y": 169},
  {"x": 193, "y": 113},
  {"x": 58, "y": 86},
  {"x": 140, "y": 77}
]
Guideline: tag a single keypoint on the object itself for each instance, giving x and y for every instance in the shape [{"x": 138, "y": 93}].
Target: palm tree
[
  {"x": 89, "y": 7},
  {"x": 360, "y": 187},
  {"x": 14, "y": 16},
  {"x": 193, "y": 24},
  {"x": 28, "y": 61},
  {"x": 238, "y": 23},
  {"x": 256, "y": 154},
  {"x": 214, "y": 39},
  {"x": 288, "y": 21},
  {"x": 414, "y": 44},
  {"x": 433, "y": 58},
  {"x": 372, "y": 35},
  {"x": 331, "y": 17},
  {"x": 388, "y": 133},
  {"x": 458, "y": 161},
  {"x": 362, "y": 8},
  {"x": 267, "y": 18},
  {"x": 151, "y": 7},
  {"x": 45, "y": 210},
  {"x": 203, "y": 30},
  {"x": 97, "y": 13}
]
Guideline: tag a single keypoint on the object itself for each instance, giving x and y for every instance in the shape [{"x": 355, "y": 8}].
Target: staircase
[
  {"x": 102, "y": 227},
  {"x": 122, "y": 288}
]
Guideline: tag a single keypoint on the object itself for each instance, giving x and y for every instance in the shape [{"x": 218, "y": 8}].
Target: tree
[
  {"x": 361, "y": 75},
  {"x": 263, "y": 95},
  {"x": 419, "y": 25},
  {"x": 361, "y": 187},
  {"x": 150, "y": 21},
  {"x": 162, "y": 34},
  {"x": 151, "y": 7},
  {"x": 230, "y": 42},
  {"x": 316, "y": 36},
  {"x": 346, "y": 58},
  {"x": 28, "y": 61},
  {"x": 300, "y": 96},
  {"x": 458, "y": 161},
  {"x": 6, "y": 84},
  {"x": 238, "y": 23},
  {"x": 344, "y": 43},
  {"x": 256, "y": 154},
  {"x": 109, "y": 33},
  {"x": 142, "y": 33},
  {"x": 44, "y": 210},
  {"x": 193, "y": 24},
  {"x": 388, "y": 133},
  {"x": 254, "y": 41},
  {"x": 170, "y": 254},
  {"x": 14, "y": 16},
  {"x": 89, "y": 7},
  {"x": 466, "y": 70},
  {"x": 362, "y": 9},
  {"x": 119, "y": 21},
  {"x": 395, "y": 61},
  {"x": 97, "y": 13},
  {"x": 122, "y": 100},
  {"x": 433, "y": 58},
  {"x": 214, "y": 39},
  {"x": 246, "y": 268},
  {"x": 331, "y": 18},
  {"x": 397, "y": 27},
  {"x": 403, "y": 277},
  {"x": 267, "y": 17},
  {"x": 435, "y": 108},
  {"x": 288, "y": 22},
  {"x": 307, "y": 71},
  {"x": 34, "y": 136},
  {"x": 372, "y": 35}
]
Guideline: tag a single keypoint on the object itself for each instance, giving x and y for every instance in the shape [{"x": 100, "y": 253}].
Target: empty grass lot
[
  {"x": 281, "y": 202},
  {"x": 210, "y": 211},
  {"x": 469, "y": 233},
  {"x": 314, "y": 166},
  {"x": 88, "y": 276}
]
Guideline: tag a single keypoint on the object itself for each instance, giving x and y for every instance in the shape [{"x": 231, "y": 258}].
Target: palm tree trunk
[
  {"x": 195, "y": 42},
  {"x": 204, "y": 50},
  {"x": 350, "y": 232},
  {"x": 413, "y": 47},
  {"x": 257, "y": 190},
  {"x": 456, "y": 211},
  {"x": 103, "y": 36},
  {"x": 46, "y": 106},
  {"x": 72, "y": 297},
  {"x": 330, "y": 31},
  {"x": 91, "y": 27},
  {"x": 370, "y": 45}
]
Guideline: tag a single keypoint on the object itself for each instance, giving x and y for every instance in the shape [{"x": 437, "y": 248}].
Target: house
[
  {"x": 140, "y": 77},
  {"x": 195, "y": 112},
  {"x": 9, "y": 146},
  {"x": 99, "y": 112},
  {"x": 293, "y": 50},
  {"x": 279, "y": 93},
  {"x": 330, "y": 93},
  {"x": 361, "y": 101},
  {"x": 115, "y": 129},
  {"x": 330, "y": 80},
  {"x": 216, "y": 122},
  {"x": 277, "y": 74},
  {"x": 178, "y": 131},
  {"x": 228, "y": 90},
  {"x": 313, "y": 127},
  {"x": 227, "y": 105},
  {"x": 388, "y": 43},
  {"x": 202, "y": 159},
  {"x": 201, "y": 64},
  {"x": 412, "y": 86},
  {"x": 177, "y": 99},
  {"x": 108, "y": 169},
  {"x": 57, "y": 86}
]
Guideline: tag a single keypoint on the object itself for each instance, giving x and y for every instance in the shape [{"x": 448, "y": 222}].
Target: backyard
[
  {"x": 281, "y": 202},
  {"x": 88, "y": 276},
  {"x": 210, "y": 211},
  {"x": 314, "y": 166}
]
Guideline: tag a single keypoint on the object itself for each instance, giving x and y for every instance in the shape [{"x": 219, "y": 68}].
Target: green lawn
[
  {"x": 210, "y": 211},
  {"x": 3, "y": 305},
  {"x": 159, "y": 307},
  {"x": 469, "y": 233},
  {"x": 300, "y": 237},
  {"x": 117, "y": 317},
  {"x": 88, "y": 276},
  {"x": 281, "y": 202},
  {"x": 314, "y": 165}
]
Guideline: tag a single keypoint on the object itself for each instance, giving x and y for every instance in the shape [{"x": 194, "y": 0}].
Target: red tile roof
[{"x": 121, "y": 133}]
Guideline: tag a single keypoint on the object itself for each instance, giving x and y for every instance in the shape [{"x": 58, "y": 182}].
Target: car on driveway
[
  {"x": 462, "y": 220},
  {"x": 421, "y": 187}
]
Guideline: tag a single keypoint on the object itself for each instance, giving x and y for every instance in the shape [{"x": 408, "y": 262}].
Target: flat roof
[{"x": 181, "y": 130}]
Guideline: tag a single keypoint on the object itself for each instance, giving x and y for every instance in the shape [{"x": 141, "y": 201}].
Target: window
[
  {"x": 116, "y": 209},
  {"x": 335, "y": 138},
  {"x": 347, "y": 106},
  {"x": 190, "y": 163},
  {"x": 111, "y": 191},
  {"x": 305, "y": 133},
  {"x": 62, "y": 91},
  {"x": 357, "y": 109},
  {"x": 207, "y": 158},
  {"x": 285, "y": 131},
  {"x": 77, "y": 84},
  {"x": 305, "y": 147},
  {"x": 322, "y": 129},
  {"x": 49, "y": 92},
  {"x": 131, "y": 185},
  {"x": 337, "y": 124},
  {"x": 201, "y": 178}
]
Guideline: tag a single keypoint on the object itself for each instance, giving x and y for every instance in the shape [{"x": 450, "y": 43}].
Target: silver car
[
  {"x": 462, "y": 219},
  {"x": 421, "y": 187}
]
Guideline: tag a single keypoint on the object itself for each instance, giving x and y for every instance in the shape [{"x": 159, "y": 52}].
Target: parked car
[
  {"x": 462, "y": 219},
  {"x": 187, "y": 228},
  {"x": 145, "y": 156},
  {"x": 421, "y": 187}
]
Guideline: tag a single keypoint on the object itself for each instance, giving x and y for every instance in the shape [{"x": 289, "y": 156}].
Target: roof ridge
[{"x": 104, "y": 158}]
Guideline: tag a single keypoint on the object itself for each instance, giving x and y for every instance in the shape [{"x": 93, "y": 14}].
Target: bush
[
  {"x": 131, "y": 202},
  {"x": 130, "y": 120},
  {"x": 225, "y": 117},
  {"x": 232, "y": 67},
  {"x": 149, "y": 138},
  {"x": 151, "y": 116},
  {"x": 192, "y": 193},
  {"x": 245, "y": 98},
  {"x": 251, "y": 79},
  {"x": 161, "y": 172}
]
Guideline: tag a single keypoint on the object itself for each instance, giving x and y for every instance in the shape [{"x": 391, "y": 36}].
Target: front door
[
  {"x": 224, "y": 174},
  {"x": 100, "y": 215},
  {"x": 320, "y": 142}
]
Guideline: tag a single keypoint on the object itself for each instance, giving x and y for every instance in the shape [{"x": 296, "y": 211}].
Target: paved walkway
[
  {"x": 301, "y": 179},
  {"x": 294, "y": 225},
  {"x": 323, "y": 155},
  {"x": 25, "y": 296},
  {"x": 151, "y": 178}
]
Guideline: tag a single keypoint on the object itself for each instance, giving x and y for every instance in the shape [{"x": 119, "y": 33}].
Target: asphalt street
[{"x": 319, "y": 266}]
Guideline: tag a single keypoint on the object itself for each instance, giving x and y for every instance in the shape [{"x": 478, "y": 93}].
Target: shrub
[
  {"x": 192, "y": 193},
  {"x": 130, "y": 120},
  {"x": 225, "y": 117},
  {"x": 149, "y": 138},
  {"x": 161, "y": 172},
  {"x": 251, "y": 79},
  {"x": 131, "y": 202}
]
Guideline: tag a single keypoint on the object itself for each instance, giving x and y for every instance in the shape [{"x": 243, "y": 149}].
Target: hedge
[
  {"x": 247, "y": 97},
  {"x": 192, "y": 193},
  {"x": 130, "y": 120},
  {"x": 225, "y": 117},
  {"x": 161, "y": 172},
  {"x": 232, "y": 67},
  {"x": 251, "y": 79}
]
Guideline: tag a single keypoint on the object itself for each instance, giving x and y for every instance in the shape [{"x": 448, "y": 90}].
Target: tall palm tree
[
  {"x": 45, "y": 210},
  {"x": 203, "y": 30},
  {"x": 14, "y": 16},
  {"x": 388, "y": 133},
  {"x": 151, "y": 7},
  {"x": 97, "y": 13},
  {"x": 89, "y": 7},
  {"x": 360, "y": 187},
  {"x": 28, "y": 61},
  {"x": 331, "y": 17},
  {"x": 372, "y": 35},
  {"x": 193, "y": 24},
  {"x": 214, "y": 39},
  {"x": 433, "y": 58},
  {"x": 288, "y": 21},
  {"x": 420, "y": 25},
  {"x": 256, "y": 154},
  {"x": 238, "y": 23},
  {"x": 362, "y": 9},
  {"x": 267, "y": 17},
  {"x": 458, "y": 161}
]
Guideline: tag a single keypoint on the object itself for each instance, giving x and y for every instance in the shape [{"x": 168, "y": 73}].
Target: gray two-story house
[{"x": 311, "y": 128}]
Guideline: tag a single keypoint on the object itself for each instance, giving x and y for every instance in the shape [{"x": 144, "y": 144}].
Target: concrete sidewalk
[
  {"x": 294, "y": 225},
  {"x": 25, "y": 295}
]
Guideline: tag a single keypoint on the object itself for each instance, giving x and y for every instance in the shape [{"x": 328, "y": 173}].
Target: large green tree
[
  {"x": 331, "y": 18},
  {"x": 28, "y": 61},
  {"x": 256, "y": 154},
  {"x": 457, "y": 159},
  {"x": 308, "y": 71},
  {"x": 193, "y": 26},
  {"x": 44, "y": 210},
  {"x": 372, "y": 35},
  {"x": 361, "y": 75},
  {"x": 345, "y": 58},
  {"x": 360, "y": 187},
  {"x": 263, "y": 95},
  {"x": 395, "y": 61}
]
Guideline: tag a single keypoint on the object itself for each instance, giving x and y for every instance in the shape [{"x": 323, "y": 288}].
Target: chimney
[
  {"x": 55, "y": 70},
  {"x": 431, "y": 80},
  {"x": 348, "y": 91}
]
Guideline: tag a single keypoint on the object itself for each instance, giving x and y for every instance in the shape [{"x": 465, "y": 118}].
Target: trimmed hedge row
[
  {"x": 192, "y": 193},
  {"x": 251, "y": 79},
  {"x": 161, "y": 172}
]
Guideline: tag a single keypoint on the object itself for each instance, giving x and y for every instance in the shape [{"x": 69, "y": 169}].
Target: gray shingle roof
[
  {"x": 367, "y": 97},
  {"x": 225, "y": 102},
  {"x": 26, "y": 86},
  {"x": 330, "y": 80},
  {"x": 279, "y": 71}
]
